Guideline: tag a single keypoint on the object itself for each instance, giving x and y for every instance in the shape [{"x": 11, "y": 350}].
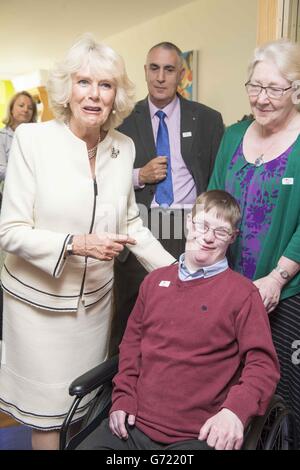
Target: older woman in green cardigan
[{"x": 259, "y": 163}]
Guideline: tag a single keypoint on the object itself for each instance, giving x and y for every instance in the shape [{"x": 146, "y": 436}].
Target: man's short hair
[
  {"x": 171, "y": 47},
  {"x": 225, "y": 205}
]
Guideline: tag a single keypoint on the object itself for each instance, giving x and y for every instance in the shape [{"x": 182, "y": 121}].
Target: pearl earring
[
  {"x": 114, "y": 111},
  {"x": 65, "y": 105}
]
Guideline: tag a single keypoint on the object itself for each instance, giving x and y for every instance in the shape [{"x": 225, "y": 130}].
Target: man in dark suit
[{"x": 194, "y": 134}]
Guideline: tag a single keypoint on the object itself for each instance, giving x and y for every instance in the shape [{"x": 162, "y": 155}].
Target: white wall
[{"x": 224, "y": 33}]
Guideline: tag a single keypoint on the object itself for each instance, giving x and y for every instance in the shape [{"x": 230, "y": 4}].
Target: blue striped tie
[{"x": 164, "y": 190}]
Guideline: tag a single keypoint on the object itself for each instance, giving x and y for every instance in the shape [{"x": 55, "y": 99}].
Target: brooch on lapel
[{"x": 114, "y": 152}]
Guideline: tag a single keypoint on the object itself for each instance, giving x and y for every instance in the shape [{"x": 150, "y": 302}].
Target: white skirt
[{"x": 43, "y": 352}]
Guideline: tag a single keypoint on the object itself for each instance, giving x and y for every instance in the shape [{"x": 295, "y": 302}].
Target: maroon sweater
[{"x": 191, "y": 349}]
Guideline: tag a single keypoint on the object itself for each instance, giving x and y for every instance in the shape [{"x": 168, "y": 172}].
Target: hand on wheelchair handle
[
  {"x": 223, "y": 431},
  {"x": 117, "y": 420}
]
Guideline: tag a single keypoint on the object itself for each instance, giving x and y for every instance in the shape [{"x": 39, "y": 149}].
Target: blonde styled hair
[
  {"x": 284, "y": 54},
  {"x": 103, "y": 61},
  {"x": 223, "y": 203},
  {"x": 9, "y": 120}
]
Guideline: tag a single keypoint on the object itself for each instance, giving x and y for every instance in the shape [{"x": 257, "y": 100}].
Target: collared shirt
[
  {"x": 206, "y": 271},
  {"x": 184, "y": 187}
]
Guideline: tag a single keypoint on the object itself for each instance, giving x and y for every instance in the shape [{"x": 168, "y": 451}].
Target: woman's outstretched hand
[{"x": 104, "y": 246}]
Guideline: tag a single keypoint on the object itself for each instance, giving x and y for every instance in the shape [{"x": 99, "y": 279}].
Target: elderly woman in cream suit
[{"x": 68, "y": 210}]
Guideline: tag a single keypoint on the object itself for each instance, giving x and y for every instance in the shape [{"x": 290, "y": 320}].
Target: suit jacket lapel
[
  {"x": 144, "y": 126},
  {"x": 188, "y": 124}
]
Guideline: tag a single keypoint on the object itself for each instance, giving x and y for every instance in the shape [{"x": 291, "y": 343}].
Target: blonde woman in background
[{"x": 21, "y": 109}]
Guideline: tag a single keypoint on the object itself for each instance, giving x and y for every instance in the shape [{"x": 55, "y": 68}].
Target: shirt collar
[
  {"x": 169, "y": 109},
  {"x": 206, "y": 271}
]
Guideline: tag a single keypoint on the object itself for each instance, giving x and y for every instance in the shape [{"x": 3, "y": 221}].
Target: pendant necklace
[{"x": 259, "y": 160}]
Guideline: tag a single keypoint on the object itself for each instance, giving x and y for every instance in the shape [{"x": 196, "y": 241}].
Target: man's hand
[
  {"x": 223, "y": 431},
  {"x": 154, "y": 171},
  {"x": 117, "y": 423},
  {"x": 269, "y": 289}
]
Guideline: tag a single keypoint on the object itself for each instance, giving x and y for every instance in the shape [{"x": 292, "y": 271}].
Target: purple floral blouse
[{"x": 256, "y": 189}]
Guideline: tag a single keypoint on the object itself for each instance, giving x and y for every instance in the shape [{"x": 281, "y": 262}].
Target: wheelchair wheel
[
  {"x": 273, "y": 431},
  {"x": 281, "y": 433}
]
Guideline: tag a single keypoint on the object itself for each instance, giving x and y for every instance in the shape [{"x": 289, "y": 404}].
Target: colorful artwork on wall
[{"x": 188, "y": 87}]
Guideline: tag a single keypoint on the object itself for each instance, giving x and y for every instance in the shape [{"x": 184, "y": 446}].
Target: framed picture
[{"x": 188, "y": 87}]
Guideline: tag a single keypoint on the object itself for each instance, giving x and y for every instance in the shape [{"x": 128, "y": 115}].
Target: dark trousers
[
  {"x": 103, "y": 439},
  {"x": 169, "y": 228}
]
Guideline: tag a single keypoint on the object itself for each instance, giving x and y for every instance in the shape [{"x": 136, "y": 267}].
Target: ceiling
[
  {"x": 109, "y": 17},
  {"x": 29, "y": 25},
  {"x": 28, "y": 19}
]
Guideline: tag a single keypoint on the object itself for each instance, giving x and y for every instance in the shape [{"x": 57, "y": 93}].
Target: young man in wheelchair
[{"x": 197, "y": 360}]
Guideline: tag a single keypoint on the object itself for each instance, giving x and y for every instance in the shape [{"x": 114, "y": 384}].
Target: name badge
[
  {"x": 287, "y": 180},
  {"x": 164, "y": 283},
  {"x": 186, "y": 134}
]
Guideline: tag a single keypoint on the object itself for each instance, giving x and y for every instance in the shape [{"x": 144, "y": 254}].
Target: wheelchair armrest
[{"x": 94, "y": 378}]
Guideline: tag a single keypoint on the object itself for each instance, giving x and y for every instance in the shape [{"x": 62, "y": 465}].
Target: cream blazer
[{"x": 49, "y": 194}]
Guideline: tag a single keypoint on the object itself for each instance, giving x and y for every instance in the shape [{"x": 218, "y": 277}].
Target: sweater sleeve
[
  {"x": 260, "y": 373},
  {"x": 124, "y": 395},
  {"x": 216, "y": 140},
  {"x": 292, "y": 250},
  {"x": 230, "y": 141},
  {"x": 217, "y": 180},
  {"x": 18, "y": 232}
]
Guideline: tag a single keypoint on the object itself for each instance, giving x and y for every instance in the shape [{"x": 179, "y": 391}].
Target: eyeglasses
[
  {"x": 272, "y": 92},
  {"x": 221, "y": 233}
]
